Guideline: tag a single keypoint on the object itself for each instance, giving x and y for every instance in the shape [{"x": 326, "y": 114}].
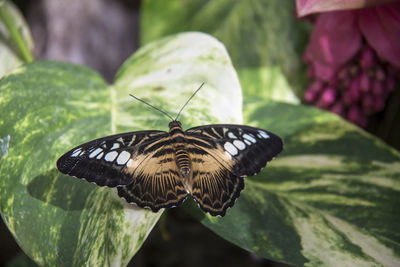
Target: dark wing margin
[
  {"x": 246, "y": 149},
  {"x": 156, "y": 183},
  {"x": 103, "y": 161}
]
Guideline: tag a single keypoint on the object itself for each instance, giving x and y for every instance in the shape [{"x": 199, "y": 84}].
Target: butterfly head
[{"x": 174, "y": 124}]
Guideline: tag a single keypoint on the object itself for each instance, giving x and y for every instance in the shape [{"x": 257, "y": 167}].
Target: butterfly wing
[
  {"x": 104, "y": 161},
  {"x": 214, "y": 187},
  {"x": 221, "y": 156},
  {"x": 157, "y": 183},
  {"x": 140, "y": 164},
  {"x": 243, "y": 149}
]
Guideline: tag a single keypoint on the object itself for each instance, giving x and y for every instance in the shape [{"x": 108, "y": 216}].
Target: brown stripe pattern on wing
[
  {"x": 248, "y": 148},
  {"x": 104, "y": 161},
  {"x": 213, "y": 186},
  {"x": 156, "y": 181}
]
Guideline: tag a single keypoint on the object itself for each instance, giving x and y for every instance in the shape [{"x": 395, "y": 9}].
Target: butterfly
[{"x": 157, "y": 169}]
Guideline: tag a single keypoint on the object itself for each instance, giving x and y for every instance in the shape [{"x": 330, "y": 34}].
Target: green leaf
[
  {"x": 51, "y": 107},
  {"x": 330, "y": 199},
  {"x": 15, "y": 38},
  {"x": 263, "y": 38}
]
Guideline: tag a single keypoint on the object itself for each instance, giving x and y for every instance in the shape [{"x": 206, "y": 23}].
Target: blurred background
[{"x": 103, "y": 33}]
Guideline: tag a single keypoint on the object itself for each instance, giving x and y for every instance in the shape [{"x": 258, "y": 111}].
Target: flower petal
[
  {"x": 306, "y": 7},
  {"x": 331, "y": 46},
  {"x": 381, "y": 27}
]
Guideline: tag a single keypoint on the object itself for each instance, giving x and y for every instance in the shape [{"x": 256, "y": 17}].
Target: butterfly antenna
[
  {"x": 188, "y": 101},
  {"x": 163, "y": 112}
]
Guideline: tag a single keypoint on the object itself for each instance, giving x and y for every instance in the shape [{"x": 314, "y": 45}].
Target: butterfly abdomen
[
  {"x": 179, "y": 144},
  {"x": 183, "y": 161}
]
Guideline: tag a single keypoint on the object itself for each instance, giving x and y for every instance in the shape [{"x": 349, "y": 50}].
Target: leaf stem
[{"x": 15, "y": 34}]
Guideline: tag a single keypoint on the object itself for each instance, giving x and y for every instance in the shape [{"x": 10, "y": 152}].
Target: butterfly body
[{"x": 178, "y": 141}]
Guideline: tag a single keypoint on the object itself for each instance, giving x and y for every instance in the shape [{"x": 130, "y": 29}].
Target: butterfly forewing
[
  {"x": 104, "y": 161},
  {"x": 244, "y": 150}
]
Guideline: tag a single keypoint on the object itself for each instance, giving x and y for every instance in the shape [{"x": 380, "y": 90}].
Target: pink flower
[
  {"x": 306, "y": 7},
  {"x": 353, "y": 54},
  {"x": 338, "y": 36}
]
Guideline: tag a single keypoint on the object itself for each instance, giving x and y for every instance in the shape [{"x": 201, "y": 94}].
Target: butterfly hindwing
[
  {"x": 104, "y": 161},
  {"x": 213, "y": 186},
  {"x": 243, "y": 149},
  {"x": 157, "y": 183}
]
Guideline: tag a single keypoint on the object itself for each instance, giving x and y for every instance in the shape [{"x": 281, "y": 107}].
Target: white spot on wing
[
  {"x": 247, "y": 142},
  {"x": 239, "y": 144},
  {"x": 110, "y": 156},
  {"x": 123, "y": 157},
  {"x": 129, "y": 163},
  {"x": 250, "y": 138},
  {"x": 115, "y": 145},
  {"x": 76, "y": 152},
  {"x": 100, "y": 155},
  {"x": 263, "y": 134},
  {"x": 132, "y": 140},
  {"x": 215, "y": 132},
  {"x": 231, "y": 149},
  {"x": 95, "y": 152},
  {"x": 232, "y": 135}
]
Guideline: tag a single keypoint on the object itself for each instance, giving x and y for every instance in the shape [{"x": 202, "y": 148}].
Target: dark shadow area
[
  {"x": 191, "y": 207},
  {"x": 65, "y": 192},
  {"x": 385, "y": 124},
  {"x": 8, "y": 247},
  {"x": 179, "y": 240}
]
